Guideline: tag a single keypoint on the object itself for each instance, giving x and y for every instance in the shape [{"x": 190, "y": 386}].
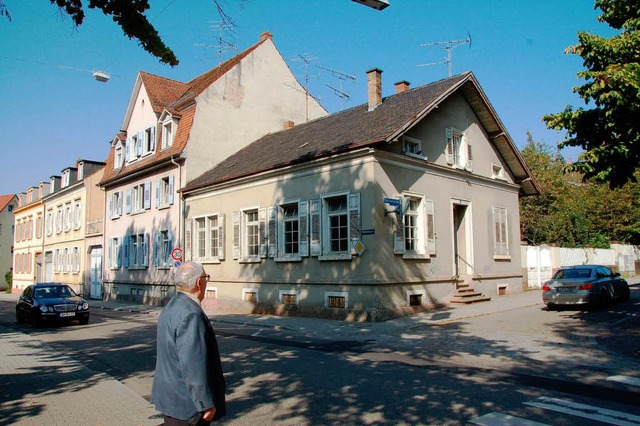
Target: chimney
[
  {"x": 266, "y": 35},
  {"x": 374, "y": 87},
  {"x": 402, "y": 86},
  {"x": 288, "y": 124}
]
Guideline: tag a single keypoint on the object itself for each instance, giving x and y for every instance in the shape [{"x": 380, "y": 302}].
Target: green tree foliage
[
  {"x": 608, "y": 132},
  {"x": 572, "y": 212}
]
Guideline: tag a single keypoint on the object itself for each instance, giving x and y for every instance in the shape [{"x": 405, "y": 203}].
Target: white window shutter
[
  {"x": 272, "y": 229},
  {"x": 111, "y": 206},
  {"x": 127, "y": 206},
  {"x": 147, "y": 195},
  {"x": 221, "y": 236},
  {"x": 139, "y": 143},
  {"x": 398, "y": 236},
  {"x": 188, "y": 239},
  {"x": 237, "y": 252},
  {"x": 469, "y": 165},
  {"x": 127, "y": 147},
  {"x": 303, "y": 231},
  {"x": 119, "y": 206},
  {"x": 170, "y": 189},
  {"x": 315, "y": 237},
  {"x": 430, "y": 227},
  {"x": 262, "y": 232},
  {"x": 109, "y": 254},
  {"x": 449, "y": 141},
  {"x": 152, "y": 142},
  {"x": 118, "y": 252},
  {"x": 354, "y": 220}
]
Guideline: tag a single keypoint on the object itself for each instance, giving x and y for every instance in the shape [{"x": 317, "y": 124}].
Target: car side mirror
[{"x": 617, "y": 274}]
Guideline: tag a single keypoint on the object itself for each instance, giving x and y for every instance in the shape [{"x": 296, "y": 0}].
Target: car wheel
[
  {"x": 551, "y": 307},
  {"x": 19, "y": 317}
]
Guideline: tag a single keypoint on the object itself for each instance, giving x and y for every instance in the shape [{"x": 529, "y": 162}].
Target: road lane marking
[
  {"x": 586, "y": 411},
  {"x": 627, "y": 380},
  {"x": 499, "y": 419}
]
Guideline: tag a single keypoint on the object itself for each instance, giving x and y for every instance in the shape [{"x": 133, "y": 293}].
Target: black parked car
[
  {"x": 592, "y": 285},
  {"x": 46, "y": 302}
]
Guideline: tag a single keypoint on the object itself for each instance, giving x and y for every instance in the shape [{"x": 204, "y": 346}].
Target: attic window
[
  {"x": 118, "y": 157},
  {"x": 412, "y": 146},
  {"x": 497, "y": 172},
  {"x": 167, "y": 133}
]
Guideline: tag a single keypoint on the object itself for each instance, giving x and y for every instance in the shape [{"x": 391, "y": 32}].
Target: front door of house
[
  {"x": 95, "y": 274},
  {"x": 48, "y": 267},
  {"x": 461, "y": 240}
]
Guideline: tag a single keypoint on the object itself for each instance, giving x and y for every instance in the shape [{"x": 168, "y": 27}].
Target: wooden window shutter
[
  {"x": 354, "y": 220},
  {"x": 139, "y": 143},
  {"x": 119, "y": 206},
  {"x": 272, "y": 220},
  {"x": 303, "y": 215},
  {"x": 156, "y": 247},
  {"x": 237, "y": 252},
  {"x": 171, "y": 189},
  {"x": 127, "y": 242},
  {"x": 157, "y": 193},
  {"x": 315, "y": 243},
  {"x": 127, "y": 206},
  {"x": 262, "y": 233},
  {"x": 110, "y": 262},
  {"x": 221, "y": 236},
  {"x": 168, "y": 260},
  {"x": 145, "y": 250},
  {"x": 147, "y": 195},
  {"x": 469, "y": 164},
  {"x": 449, "y": 141}
]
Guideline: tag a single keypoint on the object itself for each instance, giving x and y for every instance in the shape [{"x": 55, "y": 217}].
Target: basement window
[
  {"x": 250, "y": 295},
  {"x": 414, "y": 298},
  {"x": 288, "y": 297},
  {"x": 336, "y": 299}
]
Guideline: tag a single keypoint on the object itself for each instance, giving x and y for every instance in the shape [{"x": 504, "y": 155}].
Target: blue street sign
[{"x": 392, "y": 202}]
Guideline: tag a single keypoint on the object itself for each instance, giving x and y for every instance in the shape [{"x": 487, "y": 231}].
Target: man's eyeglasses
[{"x": 206, "y": 277}]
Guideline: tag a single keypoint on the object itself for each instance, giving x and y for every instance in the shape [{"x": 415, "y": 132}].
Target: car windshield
[
  {"x": 573, "y": 273},
  {"x": 53, "y": 291}
]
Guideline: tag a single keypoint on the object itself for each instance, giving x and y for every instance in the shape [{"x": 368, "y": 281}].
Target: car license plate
[
  {"x": 67, "y": 314},
  {"x": 565, "y": 289}
]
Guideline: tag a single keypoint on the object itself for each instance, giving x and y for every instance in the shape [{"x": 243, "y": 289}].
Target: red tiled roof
[
  {"x": 175, "y": 97},
  {"x": 5, "y": 200}
]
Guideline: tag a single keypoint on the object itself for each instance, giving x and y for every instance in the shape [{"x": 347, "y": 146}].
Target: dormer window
[
  {"x": 149, "y": 142},
  {"x": 412, "y": 146},
  {"x": 65, "y": 178},
  {"x": 118, "y": 157},
  {"x": 167, "y": 134}
]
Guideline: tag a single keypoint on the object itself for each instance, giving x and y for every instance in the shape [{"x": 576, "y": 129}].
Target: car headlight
[
  {"x": 43, "y": 308},
  {"x": 82, "y": 306}
]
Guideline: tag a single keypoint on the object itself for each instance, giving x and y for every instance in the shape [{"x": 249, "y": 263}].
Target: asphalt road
[{"x": 505, "y": 368}]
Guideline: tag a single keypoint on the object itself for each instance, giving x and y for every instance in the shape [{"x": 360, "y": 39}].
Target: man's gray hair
[{"x": 186, "y": 275}]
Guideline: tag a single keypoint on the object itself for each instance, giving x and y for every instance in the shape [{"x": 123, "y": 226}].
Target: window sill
[
  {"x": 418, "y": 156},
  {"x": 502, "y": 257},
  {"x": 416, "y": 256},
  {"x": 337, "y": 256},
  {"x": 136, "y": 268},
  {"x": 164, "y": 267},
  {"x": 214, "y": 261},
  {"x": 164, "y": 206},
  {"x": 288, "y": 259},
  {"x": 256, "y": 259}
]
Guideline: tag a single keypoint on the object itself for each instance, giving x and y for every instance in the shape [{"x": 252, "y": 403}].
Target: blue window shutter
[
  {"x": 156, "y": 247},
  {"x": 303, "y": 224},
  {"x": 119, "y": 206},
  {"x": 147, "y": 195},
  {"x": 127, "y": 206},
  {"x": 157, "y": 193},
  {"x": 109, "y": 254},
  {"x": 127, "y": 241},
  {"x": 170, "y": 189},
  {"x": 145, "y": 250},
  {"x": 139, "y": 144},
  {"x": 111, "y": 206},
  {"x": 127, "y": 147},
  {"x": 168, "y": 260}
]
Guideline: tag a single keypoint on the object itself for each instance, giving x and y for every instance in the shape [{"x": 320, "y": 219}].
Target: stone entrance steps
[{"x": 466, "y": 294}]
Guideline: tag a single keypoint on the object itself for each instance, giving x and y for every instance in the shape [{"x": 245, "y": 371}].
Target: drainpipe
[{"x": 181, "y": 207}]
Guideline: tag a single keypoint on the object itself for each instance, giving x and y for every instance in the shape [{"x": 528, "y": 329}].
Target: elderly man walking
[{"x": 188, "y": 386}]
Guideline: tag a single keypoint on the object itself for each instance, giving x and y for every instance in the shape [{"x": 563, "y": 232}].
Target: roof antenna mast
[
  {"x": 341, "y": 77},
  {"x": 306, "y": 59},
  {"x": 448, "y": 46},
  {"x": 222, "y": 46}
]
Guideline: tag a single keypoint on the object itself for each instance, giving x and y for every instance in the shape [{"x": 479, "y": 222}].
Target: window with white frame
[
  {"x": 334, "y": 226},
  {"x": 412, "y": 146},
  {"x": 249, "y": 235},
  {"x": 210, "y": 237},
  {"x": 501, "y": 237},
  {"x": 138, "y": 198},
  {"x": 164, "y": 191},
  {"x": 148, "y": 140},
  {"x": 459, "y": 153},
  {"x": 76, "y": 260},
  {"x": 415, "y": 229},
  {"x": 163, "y": 245},
  {"x": 66, "y": 260},
  {"x": 167, "y": 134},
  {"x": 66, "y": 175},
  {"x": 290, "y": 229},
  {"x": 118, "y": 157},
  {"x": 135, "y": 147},
  {"x": 114, "y": 253},
  {"x": 115, "y": 204},
  {"x": 136, "y": 252},
  {"x": 59, "y": 219},
  {"x": 67, "y": 217}
]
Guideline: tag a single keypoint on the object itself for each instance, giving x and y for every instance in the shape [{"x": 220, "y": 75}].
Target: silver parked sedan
[{"x": 591, "y": 285}]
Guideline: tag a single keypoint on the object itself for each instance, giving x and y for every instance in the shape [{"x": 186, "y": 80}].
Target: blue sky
[{"x": 53, "y": 112}]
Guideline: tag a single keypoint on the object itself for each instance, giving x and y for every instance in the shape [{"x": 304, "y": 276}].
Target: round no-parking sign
[{"x": 176, "y": 253}]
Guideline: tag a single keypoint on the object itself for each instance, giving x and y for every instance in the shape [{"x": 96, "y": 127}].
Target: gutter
[{"x": 181, "y": 201}]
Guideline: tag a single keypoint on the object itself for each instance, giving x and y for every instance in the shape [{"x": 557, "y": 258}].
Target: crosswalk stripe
[
  {"x": 586, "y": 411},
  {"x": 499, "y": 419},
  {"x": 628, "y": 380}
]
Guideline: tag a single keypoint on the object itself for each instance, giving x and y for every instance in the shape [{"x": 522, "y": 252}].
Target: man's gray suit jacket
[{"x": 188, "y": 376}]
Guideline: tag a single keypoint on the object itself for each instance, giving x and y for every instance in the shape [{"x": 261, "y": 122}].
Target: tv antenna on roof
[
  {"x": 306, "y": 58},
  {"x": 341, "y": 77},
  {"x": 448, "y": 46},
  {"x": 222, "y": 46}
]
